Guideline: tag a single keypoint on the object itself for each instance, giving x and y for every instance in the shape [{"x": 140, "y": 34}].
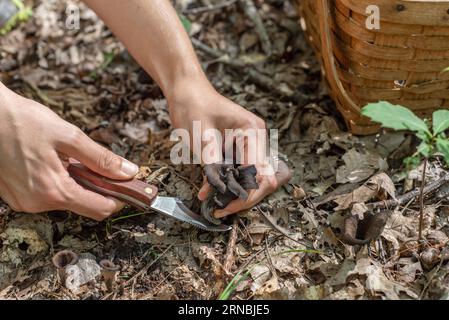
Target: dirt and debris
[{"x": 256, "y": 54}]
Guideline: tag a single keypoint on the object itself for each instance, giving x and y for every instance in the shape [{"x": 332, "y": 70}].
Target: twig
[
  {"x": 42, "y": 96},
  {"x": 185, "y": 179},
  {"x": 254, "y": 255},
  {"x": 269, "y": 259},
  {"x": 421, "y": 200},
  {"x": 229, "y": 257},
  {"x": 248, "y": 234},
  {"x": 148, "y": 266},
  {"x": 431, "y": 187},
  {"x": 211, "y": 7},
  {"x": 252, "y": 13},
  {"x": 430, "y": 280},
  {"x": 254, "y": 75},
  {"x": 229, "y": 260},
  {"x": 283, "y": 231},
  {"x": 165, "y": 278},
  {"x": 142, "y": 271}
]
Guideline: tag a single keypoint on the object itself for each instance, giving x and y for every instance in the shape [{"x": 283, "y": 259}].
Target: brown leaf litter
[{"x": 337, "y": 177}]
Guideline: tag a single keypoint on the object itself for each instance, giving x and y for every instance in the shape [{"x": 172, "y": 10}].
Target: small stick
[
  {"x": 254, "y": 75},
  {"x": 211, "y": 7},
  {"x": 269, "y": 259},
  {"x": 421, "y": 200},
  {"x": 434, "y": 273},
  {"x": 252, "y": 13},
  {"x": 134, "y": 278},
  {"x": 431, "y": 187},
  {"x": 281, "y": 230},
  {"x": 229, "y": 257}
]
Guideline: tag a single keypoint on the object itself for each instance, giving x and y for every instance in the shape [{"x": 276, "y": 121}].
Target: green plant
[
  {"x": 232, "y": 285},
  {"x": 185, "y": 22},
  {"x": 433, "y": 138},
  {"x": 238, "y": 278},
  {"x": 23, "y": 14},
  {"x": 111, "y": 221},
  {"x": 108, "y": 58}
]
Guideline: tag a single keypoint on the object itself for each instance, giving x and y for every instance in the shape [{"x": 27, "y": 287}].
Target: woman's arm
[{"x": 154, "y": 35}]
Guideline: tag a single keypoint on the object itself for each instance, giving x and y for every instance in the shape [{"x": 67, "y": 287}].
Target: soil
[{"x": 89, "y": 79}]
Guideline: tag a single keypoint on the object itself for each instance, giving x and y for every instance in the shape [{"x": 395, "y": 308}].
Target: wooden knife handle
[{"x": 133, "y": 192}]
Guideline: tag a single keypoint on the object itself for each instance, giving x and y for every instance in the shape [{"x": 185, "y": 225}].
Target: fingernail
[{"x": 129, "y": 168}]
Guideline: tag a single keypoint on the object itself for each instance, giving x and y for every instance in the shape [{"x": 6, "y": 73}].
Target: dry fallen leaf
[
  {"x": 379, "y": 186},
  {"x": 298, "y": 193},
  {"x": 359, "y": 166}
]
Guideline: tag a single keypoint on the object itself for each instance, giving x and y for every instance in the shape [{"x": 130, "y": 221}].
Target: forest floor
[{"x": 89, "y": 79}]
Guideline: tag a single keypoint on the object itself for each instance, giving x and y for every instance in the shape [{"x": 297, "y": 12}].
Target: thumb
[
  {"x": 204, "y": 191},
  {"x": 96, "y": 157}
]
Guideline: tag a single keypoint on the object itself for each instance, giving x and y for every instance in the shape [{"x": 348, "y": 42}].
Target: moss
[{"x": 22, "y": 15}]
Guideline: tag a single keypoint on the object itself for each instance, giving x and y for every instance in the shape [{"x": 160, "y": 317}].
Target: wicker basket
[{"x": 402, "y": 62}]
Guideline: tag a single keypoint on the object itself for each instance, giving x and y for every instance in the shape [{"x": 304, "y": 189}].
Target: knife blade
[{"x": 140, "y": 195}]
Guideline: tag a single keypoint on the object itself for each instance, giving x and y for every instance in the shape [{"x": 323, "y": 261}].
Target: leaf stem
[{"x": 421, "y": 199}]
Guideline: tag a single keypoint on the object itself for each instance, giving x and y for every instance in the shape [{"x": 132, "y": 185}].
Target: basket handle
[{"x": 324, "y": 17}]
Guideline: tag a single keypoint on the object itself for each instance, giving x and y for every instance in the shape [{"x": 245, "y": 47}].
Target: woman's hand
[
  {"x": 202, "y": 103},
  {"x": 154, "y": 35},
  {"x": 34, "y": 141}
]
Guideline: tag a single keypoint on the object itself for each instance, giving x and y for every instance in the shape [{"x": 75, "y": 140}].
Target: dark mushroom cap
[
  {"x": 109, "y": 265},
  {"x": 64, "y": 258}
]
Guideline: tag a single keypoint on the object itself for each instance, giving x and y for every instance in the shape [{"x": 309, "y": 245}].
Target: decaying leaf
[
  {"x": 33, "y": 233},
  {"x": 379, "y": 187},
  {"x": 359, "y": 166},
  {"x": 377, "y": 283},
  {"x": 430, "y": 258}
]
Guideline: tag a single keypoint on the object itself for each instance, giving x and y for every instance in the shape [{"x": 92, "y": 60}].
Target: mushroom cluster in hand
[{"x": 228, "y": 182}]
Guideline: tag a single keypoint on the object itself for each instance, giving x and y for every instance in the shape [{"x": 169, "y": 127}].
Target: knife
[{"x": 140, "y": 195}]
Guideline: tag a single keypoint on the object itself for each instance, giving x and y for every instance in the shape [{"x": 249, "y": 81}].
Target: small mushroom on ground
[
  {"x": 228, "y": 182},
  {"x": 62, "y": 260},
  {"x": 109, "y": 271},
  {"x": 362, "y": 231}
]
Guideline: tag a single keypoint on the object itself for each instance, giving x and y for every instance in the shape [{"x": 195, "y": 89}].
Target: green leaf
[
  {"x": 440, "y": 121},
  {"x": 425, "y": 149},
  {"x": 412, "y": 162},
  {"x": 395, "y": 117},
  {"x": 443, "y": 147},
  {"x": 230, "y": 288},
  {"x": 445, "y": 70},
  {"x": 185, "y": 22}
]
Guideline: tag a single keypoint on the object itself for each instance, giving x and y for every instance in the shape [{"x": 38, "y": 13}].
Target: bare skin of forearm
[
  {"x": 155, "y": 37},
  {"x": 153, "y": 34}
]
